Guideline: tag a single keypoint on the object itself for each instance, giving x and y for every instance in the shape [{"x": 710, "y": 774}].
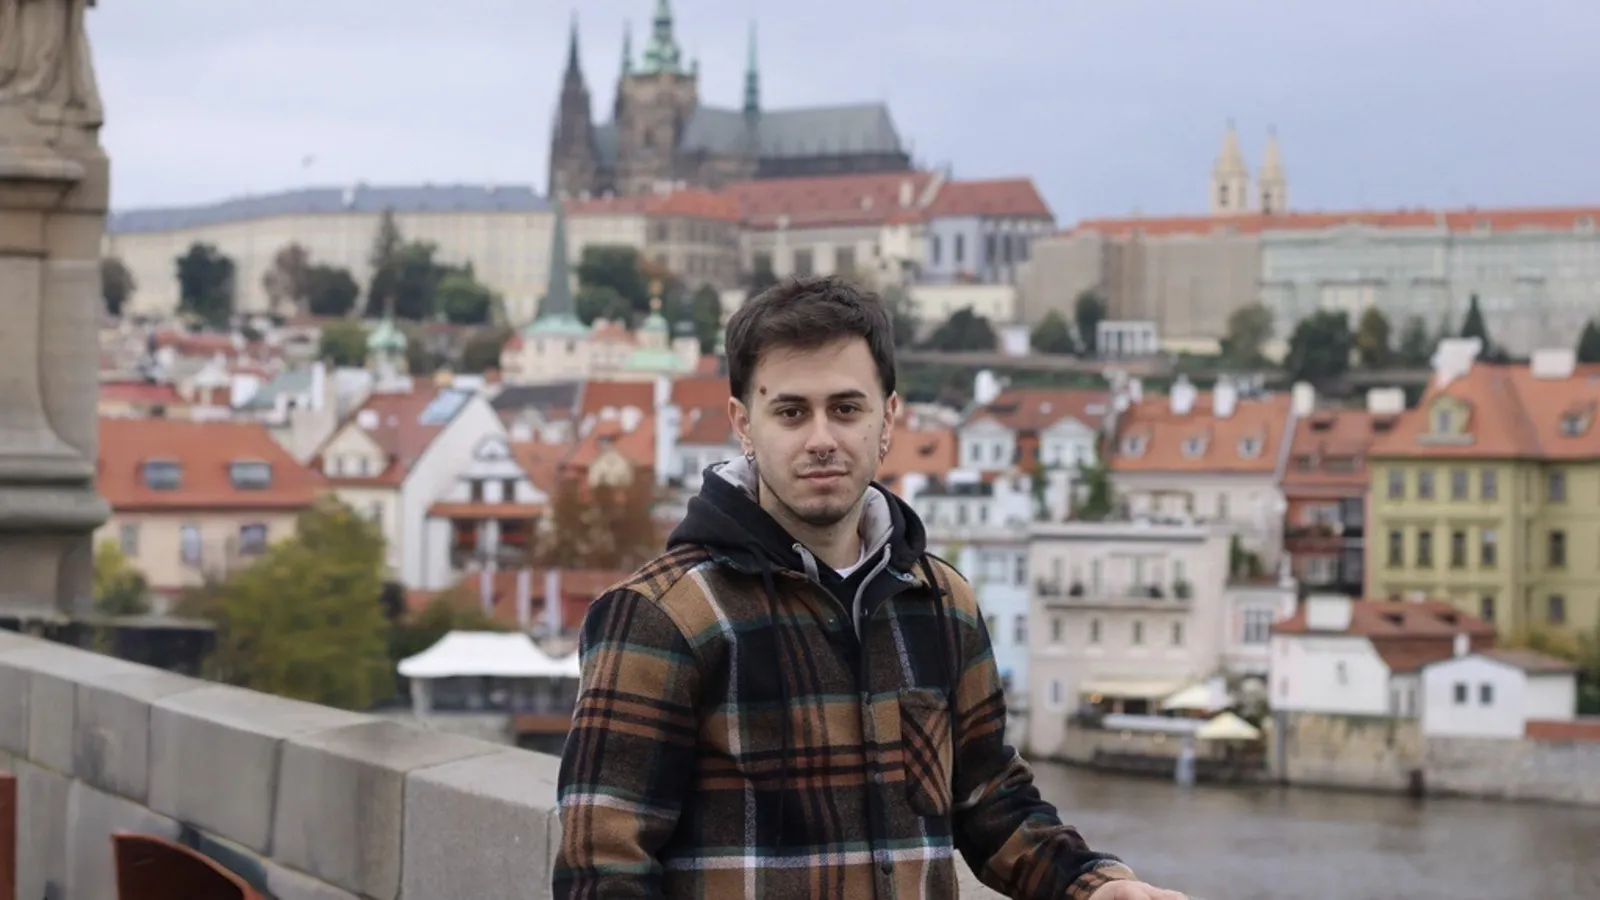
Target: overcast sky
[{"x": 1112, "y": 107}]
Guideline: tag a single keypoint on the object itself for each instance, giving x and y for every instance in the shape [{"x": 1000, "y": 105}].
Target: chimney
[
  {"x": 1329, "y": 612},
  {"x": 1303, "y": 397},
  {"x": 552, "y": 600},
  {"x": 1553, "y": 364},
  {"x": 1389, "y": 401},
  {"x": 907, "y": 193},
  {"x": 524, "y": 598},
  {"x": 1463, "y": 644},
  {"x": 985, "y": 387},
  {"x": 1182, "y": 396},
  {"x": 1224, "y": 398}
]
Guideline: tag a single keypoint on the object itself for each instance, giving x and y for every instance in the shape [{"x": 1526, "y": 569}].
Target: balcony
[{"x": 1175, "y": 595}]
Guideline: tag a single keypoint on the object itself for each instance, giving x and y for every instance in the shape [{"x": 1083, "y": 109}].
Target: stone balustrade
[{"x": 305, "y": 802}]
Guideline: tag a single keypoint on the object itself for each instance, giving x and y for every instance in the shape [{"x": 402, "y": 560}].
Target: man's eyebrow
[{"x": 851, "y": 394}]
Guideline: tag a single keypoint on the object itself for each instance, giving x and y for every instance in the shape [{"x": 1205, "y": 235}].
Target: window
[
  {"x": 1257, "y": 626},
  {"x": 1489, "y": 548},
  {"x": 1094, "y": 631},
  {"x": 1057, "y": 695},
  {"x": 1249, "y": 447},
  {"x": 1458, "y": 549},
  {"x": 1444, "y": 421},
  {"x": 844, "y": 260},
  {"x": 960, "y": 249},
  {"x": 1055, "y": 629},
  {"x": 1556, "y": 609},
  {"x": 934, "y": 246},
  {"x": 1486, "y": 694},
  {"x": 1488, "y": 485},
  {"x": 375, "y": 511},
  {"x": 1138, "y": 633},
  {"x": 1555, "y": 487},
  {"x": 1341, "y": 672},
  {"x": 1461, "y": 693},
  {"x": 162, "y": 475},
  {"x": 252, "y": 539},
  {"x": 1425, "y": 484},
  {"x": 1425, "y": 548},
  {"x": 1397, "y": 548},
  {"x": 1557, "y": 550},
  {"x": 1177, "y": 634},
  {"x": 1194, "y": 446},
  {"x": 1133, "y": 445},
  {"x": 1458, "y": 484},
  {"x": 802, "y": 263},
  {"x": 189, "y": 544},
  {"x": 128, "y": 539},
  {"x": 250, "y": 476},
  {"x": 1486, "y": 608},
  {"x": 1397, "y": 484},
  {"x": 1020, "y": 631}
]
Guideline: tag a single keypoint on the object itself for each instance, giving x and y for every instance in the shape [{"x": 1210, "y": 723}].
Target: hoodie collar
[{"x": 727, "y": 518}]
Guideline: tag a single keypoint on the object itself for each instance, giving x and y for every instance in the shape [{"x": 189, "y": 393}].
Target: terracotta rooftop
[
  {"x": 143, "y": 393},
  {"x": 1380, "y": 619},
  {"x": 398, "y": 428},
  {"x": 1036, "y": 409},
  {"x": 1454, "y": 221},
  {"x": 1531, "y": 661},
  {"x": 1151, "y": 437},
  {"x": 929, "y": 451},
  {"x": 1502, "y": 412},
  {"x": 701, "y": 392},
  {"x": 1329, "y": 450},
  {"x": 830, "y": 201},
  {"x": 1014, "y": 198},
  {"x": 598, "y": 395},
  {"x": 197, "y": 459}
]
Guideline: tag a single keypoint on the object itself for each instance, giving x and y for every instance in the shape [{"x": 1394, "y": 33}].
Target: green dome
[
  {"x": 386, "y": 337},
  {"x": 655, "y": 359},
  {"x": 560, "y": 325}
]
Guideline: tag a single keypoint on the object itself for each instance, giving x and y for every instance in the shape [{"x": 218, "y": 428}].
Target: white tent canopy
[
  {"x": 487, "y": 654},
  {"x": 1227, "y": 727},
  {"x": 1195, "y": 697}
]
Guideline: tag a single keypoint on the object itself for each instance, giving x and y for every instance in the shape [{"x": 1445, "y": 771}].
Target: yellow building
[{"x": 1487, "y": 494}]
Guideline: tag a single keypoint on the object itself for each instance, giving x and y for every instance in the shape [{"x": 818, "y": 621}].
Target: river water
[{"x": 1276, "y": 843}]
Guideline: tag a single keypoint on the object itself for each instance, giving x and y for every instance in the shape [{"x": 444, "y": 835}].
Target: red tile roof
[
  {"x": 597, "y": 395},
  {"x": 1454, "y": 221},
  {"x": 399, "y": 431},
  {"x": 1013, "y": 198},
  {"x": 1509, "y": 414},
  {"x": 1037, "y": 409},
  {"x": 830, "y": 201},
  {"x": 204, "y": 452},
  {"x": 1328, "y": 452},
  {"x": 1200, "y": 440}
]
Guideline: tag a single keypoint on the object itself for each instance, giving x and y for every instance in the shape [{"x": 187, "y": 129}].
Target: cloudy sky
[{"x": 1113, "y": 107}]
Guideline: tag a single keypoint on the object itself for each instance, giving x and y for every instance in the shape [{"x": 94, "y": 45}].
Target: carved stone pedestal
[{"x": 54, "y": 189}]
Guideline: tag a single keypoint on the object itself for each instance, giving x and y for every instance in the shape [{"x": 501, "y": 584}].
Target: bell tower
[
  {"x": 573, "y": 155},
  {"x": 1230, "y": 178},
  {"x": 1272, "y": 185}
]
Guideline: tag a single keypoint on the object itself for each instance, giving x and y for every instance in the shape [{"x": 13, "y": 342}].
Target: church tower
[
  {"x": 654, "y": 103},
  {"x": 1272, "y": 185},
  {"x": 1230, "y": 178},
  {"x": 573, "y": 155}
]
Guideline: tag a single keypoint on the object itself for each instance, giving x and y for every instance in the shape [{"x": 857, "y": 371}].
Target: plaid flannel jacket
[{"x": 691, "y": 771}]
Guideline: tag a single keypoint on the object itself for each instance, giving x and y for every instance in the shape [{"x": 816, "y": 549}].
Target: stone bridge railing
[{"x": 305, "y": 802}]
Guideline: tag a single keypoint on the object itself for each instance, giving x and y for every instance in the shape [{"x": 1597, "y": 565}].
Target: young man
[{"x": 796, "y": 701}]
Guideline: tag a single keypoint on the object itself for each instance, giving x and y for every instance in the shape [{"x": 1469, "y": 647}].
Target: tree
[
  {"x": 1473, "y": 325},
  {"x": 1053, "y": 335},
  {"x": 481, "y": 352},
  {"x": 1088, "y": 311},
  {"x": 285, "y": 281},
  {"x": 616, "y": 267},
  {"x": 412, "y": 278},
  {"x": 463, "y": 300},
  {"x": 601, "y": 527},
  {"x": 1589, "y": 343},
  {"x": 386, "y": 244},
  {"x": 1416, "y": 345},
  {"x": 705, "y": 313},
  {"x": 601, "y": 301},
  {"x": 120, "y": 588},
  {"x": 205, "y": 284},
  {"x": 965, "y": 331},
  {"x": 1319, "y": 348},
  {"x": 116, "y": 284},
  {"x": 1249, "y": 328},
  {"x": 330, "y": 291},
  {"x": 344, "y": 344},
  {"x": 902, "y": 315},
  {"x": 305, "y": 620},
  {"x": 1373, "y": 340},
  {"x": 1098, "y": 501}
]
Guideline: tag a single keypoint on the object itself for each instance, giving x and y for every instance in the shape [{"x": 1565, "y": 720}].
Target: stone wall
[
  {"x": 1551, "y": 771},
  {"x": 1369, "y": 752},
  {"x": 305, "y": 802}
]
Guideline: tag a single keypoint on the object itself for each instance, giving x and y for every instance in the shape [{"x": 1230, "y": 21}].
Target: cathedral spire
[
  {"x": 627, "y": 49},
  {"x": 1272, "y": 185},
  {"x": 1230, "y": 177},
  {"x": 574, "y": 69},
  {"x": 752, "y": 79},
  {"x": 662, "y": 55}
]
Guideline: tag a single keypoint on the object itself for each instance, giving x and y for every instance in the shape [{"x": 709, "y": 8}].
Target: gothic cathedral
[{"x": 660, "y": 134}]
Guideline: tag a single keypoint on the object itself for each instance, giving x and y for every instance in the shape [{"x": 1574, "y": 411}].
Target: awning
[
  {"x": 1228, "y": 727},
  {"x": 487, "y": 654},
  {"x": 1131, "y": 688},
  {"x": 1194, "y": 698}
]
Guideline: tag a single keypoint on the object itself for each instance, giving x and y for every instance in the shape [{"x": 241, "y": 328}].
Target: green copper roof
[
  {"x": 651, "y": 359},
  {"x": 385, "y": 336},
  {"x": 662, "y": 55},
  {"x": 558, "y": 314},
  {"x": 562, "y": 325},
  {"x": 752, "y": 79}
]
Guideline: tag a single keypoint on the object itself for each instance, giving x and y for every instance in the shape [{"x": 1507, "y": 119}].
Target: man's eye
[
  {"x": 847, "y": 409},
  {"x": 790, "y": 413}
]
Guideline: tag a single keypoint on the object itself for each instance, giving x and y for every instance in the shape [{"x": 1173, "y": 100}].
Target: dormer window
[
  {"x": 1444, "y": 420},
  {"x": 1194, "y": 446},
  {"x": 162, "y": 475},
  {"x": 1250, "y": 447},
  {"x": 250, "y": 475},
  {"x": 1133, "y": 445},
  {"x": 1575, "y": 424}
]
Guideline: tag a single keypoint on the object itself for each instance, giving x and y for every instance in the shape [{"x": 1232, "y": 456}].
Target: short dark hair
[{"x": 804, "y": 314}]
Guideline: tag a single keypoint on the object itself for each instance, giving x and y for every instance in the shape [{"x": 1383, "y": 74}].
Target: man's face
[{"x": 817, "y": 421}]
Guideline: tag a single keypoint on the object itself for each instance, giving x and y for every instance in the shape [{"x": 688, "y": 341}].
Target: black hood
[{"x": 726, "y": 519}]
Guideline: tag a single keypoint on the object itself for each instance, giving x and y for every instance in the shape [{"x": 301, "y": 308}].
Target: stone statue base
[{"x": 53, "y": 198}]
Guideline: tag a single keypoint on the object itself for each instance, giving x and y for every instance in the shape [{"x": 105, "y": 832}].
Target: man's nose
[{"x": 821, "y": 438}]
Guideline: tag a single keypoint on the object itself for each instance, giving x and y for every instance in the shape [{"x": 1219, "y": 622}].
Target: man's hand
[{"x": 1133, "y": 890}]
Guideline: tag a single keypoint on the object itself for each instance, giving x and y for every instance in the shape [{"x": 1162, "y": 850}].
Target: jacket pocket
[{"x": 928, "y": 750}]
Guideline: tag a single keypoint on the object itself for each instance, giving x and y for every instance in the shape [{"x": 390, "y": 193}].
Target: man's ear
[
  {"x": 739, "y": 418},
  {"x": 891, "y": 412}
]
